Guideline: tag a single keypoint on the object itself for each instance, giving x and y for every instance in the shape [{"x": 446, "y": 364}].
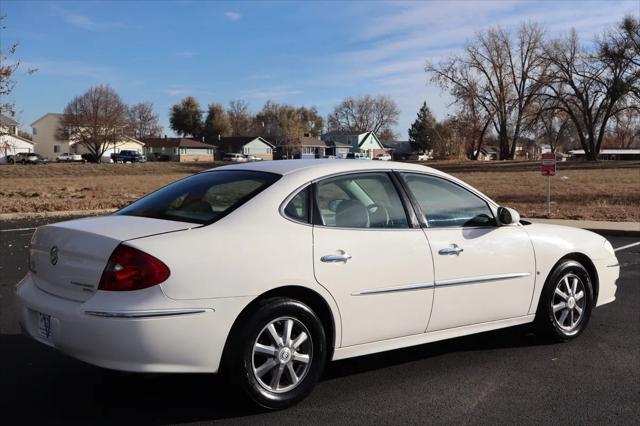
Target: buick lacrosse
[{"x": 265, "y": 271}]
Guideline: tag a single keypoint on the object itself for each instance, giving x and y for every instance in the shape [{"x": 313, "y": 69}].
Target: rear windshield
[{"x": 202, "y": 198}]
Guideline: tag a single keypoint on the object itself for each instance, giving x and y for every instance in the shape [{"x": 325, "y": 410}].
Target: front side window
[
  {"x": 368, "y": 200},
  {"x": 202, "y": 198},
  {"x": 446, "y": 204}
]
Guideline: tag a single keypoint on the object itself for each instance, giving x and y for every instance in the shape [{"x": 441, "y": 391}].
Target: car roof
[{"x": 322, "y": 167}]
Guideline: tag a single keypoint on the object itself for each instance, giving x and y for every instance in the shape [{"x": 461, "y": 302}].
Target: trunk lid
[{"x": 67, "y": 259}]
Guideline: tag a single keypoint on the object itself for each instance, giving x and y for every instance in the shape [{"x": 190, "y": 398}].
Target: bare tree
[
  {"x": 282, "y": 123},
  {"x": 499, "y": 74},
  {"x": 593, "y": 86},
  {"x": 378, "y": 114},
  {"x": 95, "y": 120},
  {"x": 240, "y": 118},
  {"x": 8, "y": 69},
  {"x": 143, "y": 121},
  {"x": 625, "y": 131}
]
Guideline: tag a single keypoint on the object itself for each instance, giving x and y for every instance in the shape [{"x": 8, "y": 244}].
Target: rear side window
[
  {"x": 202, "y": 198},
  {"x": 446, "y": 204},
  {"x": 367, "y": 200},
  {"x": 298, "y": 207}
]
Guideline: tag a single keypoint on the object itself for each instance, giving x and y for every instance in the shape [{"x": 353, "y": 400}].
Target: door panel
[
  {"x": 378, "y": 268},
  {"x": 491, "y": 279},
  {"x": 483, "y": 272},
  {"x": 385, "y": 289}
]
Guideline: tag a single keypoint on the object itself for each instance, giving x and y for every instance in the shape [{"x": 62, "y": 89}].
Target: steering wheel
[{"x": 378, "y": 215}]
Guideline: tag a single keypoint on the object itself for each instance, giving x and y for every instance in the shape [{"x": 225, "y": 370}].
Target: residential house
[
  {"x": 10, "y": 142},
  {"x": 488, "y": 153},
  {"x": 178, "y": 149},
  {"x": 44, "y": 136},
  {"x": 403, "y": 151},
  {"x": 307, "y": 147},
  {"x": 246, "y": 145},
  {"x": 630, "y": 154},
  {"x": 364, "y": 142}
]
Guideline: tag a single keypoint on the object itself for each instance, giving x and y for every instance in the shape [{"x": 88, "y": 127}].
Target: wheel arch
[
  {"x": 303, "y": 294},
  {"x": 585, "y": 261}
]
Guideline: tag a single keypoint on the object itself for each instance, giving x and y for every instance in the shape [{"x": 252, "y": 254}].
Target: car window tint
[
  {"x": 202, "y": 198},
  {"x": 360, "y": 201},
  {"x": 298, "y": 207},
  {"x": 446, "y": 204}
]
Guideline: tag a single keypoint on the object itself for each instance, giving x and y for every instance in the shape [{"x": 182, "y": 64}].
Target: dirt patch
[{"x": 584, "y": 191}]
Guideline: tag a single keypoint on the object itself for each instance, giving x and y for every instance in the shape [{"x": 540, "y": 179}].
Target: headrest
[{"x": 352, "y": 214}]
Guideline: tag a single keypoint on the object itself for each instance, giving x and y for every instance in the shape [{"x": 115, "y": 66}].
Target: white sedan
[
  {"x": 70, "y": 158},
  {"x": 265, "y": 271}
]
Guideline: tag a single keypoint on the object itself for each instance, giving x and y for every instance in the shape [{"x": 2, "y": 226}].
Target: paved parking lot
[{"x": 507, "y": 376}]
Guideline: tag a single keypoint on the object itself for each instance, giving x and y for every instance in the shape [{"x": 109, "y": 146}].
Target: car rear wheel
[
  {"x": 278, "y": 355},
  {"x": 566, "y": 302}
]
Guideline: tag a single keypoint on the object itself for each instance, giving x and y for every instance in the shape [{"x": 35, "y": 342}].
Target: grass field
[{"x": 600, "y": 191}]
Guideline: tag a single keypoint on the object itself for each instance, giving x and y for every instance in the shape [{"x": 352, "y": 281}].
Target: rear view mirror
[{"x": 507, "y": 216}]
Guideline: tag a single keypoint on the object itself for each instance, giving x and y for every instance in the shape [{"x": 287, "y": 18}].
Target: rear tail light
[{"x": 131, "y": 269}]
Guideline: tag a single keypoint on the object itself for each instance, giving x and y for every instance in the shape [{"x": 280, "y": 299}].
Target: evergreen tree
[{"x": 423, "y": 130}]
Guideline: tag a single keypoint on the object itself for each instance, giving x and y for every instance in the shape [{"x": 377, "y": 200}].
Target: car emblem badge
[{"x": 53, "y": 255}]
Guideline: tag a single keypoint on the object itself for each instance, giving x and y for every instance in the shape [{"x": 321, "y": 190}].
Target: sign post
[{"x": 548, "y": 170}]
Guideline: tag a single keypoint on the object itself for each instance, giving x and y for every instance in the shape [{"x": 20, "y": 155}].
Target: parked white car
[
  {"x": 265, "y": 271},
  {"x": 236, "y": 158},
  {"x": 68, "y": 158},
  {"x": 382, "y": 157},
  {"x": 253, "y": 158}
]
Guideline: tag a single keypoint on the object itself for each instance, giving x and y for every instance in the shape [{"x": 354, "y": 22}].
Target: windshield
[{"x": 202, "y": 198}]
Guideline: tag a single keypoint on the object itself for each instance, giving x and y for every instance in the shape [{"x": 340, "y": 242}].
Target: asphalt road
[{"x": 508, "y": 376}]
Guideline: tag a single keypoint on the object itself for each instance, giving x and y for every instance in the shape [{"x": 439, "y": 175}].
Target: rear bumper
[
  {"x": 608, "y": 274},
  {"x": 158, "y": 338}
]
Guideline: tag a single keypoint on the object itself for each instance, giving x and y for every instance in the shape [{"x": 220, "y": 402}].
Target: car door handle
[
  {"x": 452, "y": 249},
  {"x": 329, "y": 258}
]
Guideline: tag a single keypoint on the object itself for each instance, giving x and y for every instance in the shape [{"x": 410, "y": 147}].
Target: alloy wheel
[
  {"x": 282, "y": 354},
  {"x": 568, "y": 302}
]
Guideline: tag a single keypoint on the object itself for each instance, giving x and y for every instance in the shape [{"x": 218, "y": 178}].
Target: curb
[{"x": 55, "y": 214}]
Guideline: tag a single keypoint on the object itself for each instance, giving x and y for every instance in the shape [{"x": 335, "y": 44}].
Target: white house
[
  {"x": 10, "y": 142},
  {"x": 247, "y": 145},
  {"x": 47, "y": 145},
  {"x": 365, "y": 142}
]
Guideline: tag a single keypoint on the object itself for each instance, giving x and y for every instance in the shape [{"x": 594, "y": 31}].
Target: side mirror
[{"x": 507, "y": 216}]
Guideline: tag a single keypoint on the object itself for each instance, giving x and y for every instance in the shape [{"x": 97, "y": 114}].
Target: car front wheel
[
  {"x": 279, "y": 354},
  {"x": 566, "y": 302}
]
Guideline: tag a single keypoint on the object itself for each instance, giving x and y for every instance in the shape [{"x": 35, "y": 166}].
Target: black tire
[
  {"x": 554, "y": 323},
  {"x": 241, "y": 360}
]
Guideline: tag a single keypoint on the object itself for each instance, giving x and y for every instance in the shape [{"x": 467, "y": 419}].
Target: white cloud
[
  {"x": 186, "y": 54},
  {"x": 80, "y": 21},
  {"x": 70, "y": 69},
  {"x": 232, "y": 16},
  {"x": 388, "y": 54}
]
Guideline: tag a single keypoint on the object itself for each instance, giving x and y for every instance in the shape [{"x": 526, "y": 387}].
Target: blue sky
[{"x": 303, "y": 53}]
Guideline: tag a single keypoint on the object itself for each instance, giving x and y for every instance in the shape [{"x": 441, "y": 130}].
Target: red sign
[{"x": 548, "y": 164}]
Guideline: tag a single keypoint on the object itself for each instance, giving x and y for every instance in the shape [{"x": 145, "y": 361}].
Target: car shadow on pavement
[{"x": 40, "y": 384}]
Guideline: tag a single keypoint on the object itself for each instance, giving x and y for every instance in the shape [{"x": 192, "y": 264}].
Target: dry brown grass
[{"x": 602, "y": 191}]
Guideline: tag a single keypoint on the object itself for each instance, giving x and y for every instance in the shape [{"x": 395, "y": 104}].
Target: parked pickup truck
[{"x": 128, "y": 156}]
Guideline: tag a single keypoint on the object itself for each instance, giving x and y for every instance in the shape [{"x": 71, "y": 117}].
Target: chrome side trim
[
  {"x": 144, "y": 314},
  {"x": 480, "y": 279},
  {"x": 410, "y": 287}
]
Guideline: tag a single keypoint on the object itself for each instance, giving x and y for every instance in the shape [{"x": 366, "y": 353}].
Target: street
[{"x": 506, "y": 376}]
